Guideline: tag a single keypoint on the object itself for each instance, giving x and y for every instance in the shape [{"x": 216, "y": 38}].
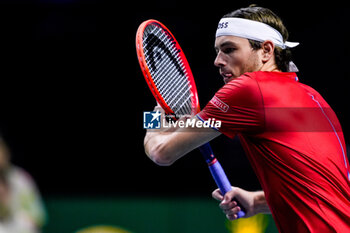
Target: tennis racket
[{"x": 171, "y": 82}]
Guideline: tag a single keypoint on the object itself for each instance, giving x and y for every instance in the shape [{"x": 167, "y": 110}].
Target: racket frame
[{"x": 146, "y": 71}]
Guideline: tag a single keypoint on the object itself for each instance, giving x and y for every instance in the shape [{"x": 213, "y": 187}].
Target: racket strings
[
  {"x": 159, "y": 69},
  {"x": 167, "y": 70},
  {"x": 171, "y": 52}
]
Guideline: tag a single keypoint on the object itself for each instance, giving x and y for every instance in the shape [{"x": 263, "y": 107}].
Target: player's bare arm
[{"x": 165, "y": 146}]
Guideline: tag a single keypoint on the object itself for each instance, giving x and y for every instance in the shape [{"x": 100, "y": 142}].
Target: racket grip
[{"x": 218, "y": 173}]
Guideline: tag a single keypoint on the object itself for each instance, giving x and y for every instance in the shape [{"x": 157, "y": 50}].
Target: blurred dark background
[{"x": 72, "y": 94}]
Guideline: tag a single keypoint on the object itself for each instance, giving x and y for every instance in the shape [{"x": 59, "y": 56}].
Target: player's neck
[{"x": 270, "y": 66}]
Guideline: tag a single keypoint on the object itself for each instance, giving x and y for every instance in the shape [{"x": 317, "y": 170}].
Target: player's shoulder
[
  {"x": 247, "y": 82},
  {"x": 242, "y": 88},
  {"x": 252, "y": 79},
  {"x": 272, "y": 76},
  {"x": 250, "y": 85},
  {"x": 241, "y": 81},
  {"x": 268, "y": 80}
]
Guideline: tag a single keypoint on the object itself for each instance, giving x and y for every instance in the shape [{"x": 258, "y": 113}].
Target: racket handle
[{"x": 218, "y": 173}]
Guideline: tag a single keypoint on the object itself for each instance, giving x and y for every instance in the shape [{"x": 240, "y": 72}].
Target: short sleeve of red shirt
[{"x": 238, "y": 105}]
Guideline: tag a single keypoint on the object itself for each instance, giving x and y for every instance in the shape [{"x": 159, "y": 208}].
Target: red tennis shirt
[{"x": 295, "y": 145}]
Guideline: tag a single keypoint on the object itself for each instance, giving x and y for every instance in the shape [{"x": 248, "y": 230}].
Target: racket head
[{"x": 166, "y": 69}]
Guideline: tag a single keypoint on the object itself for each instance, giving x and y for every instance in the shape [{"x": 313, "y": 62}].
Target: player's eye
[{"x": 228, "y": 50}]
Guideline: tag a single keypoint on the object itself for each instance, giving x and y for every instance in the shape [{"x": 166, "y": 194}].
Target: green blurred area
[{"x": 139, "y": 215}]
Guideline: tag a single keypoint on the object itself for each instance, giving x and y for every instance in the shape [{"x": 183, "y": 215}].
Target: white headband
[{"x": 252, "y": 30}]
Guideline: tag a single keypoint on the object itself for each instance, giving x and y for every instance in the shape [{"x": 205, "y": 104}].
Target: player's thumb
[
  {"x": 238, "y": 193},
  {"x": 217, "y": 195},
  {"x": 228, "y": 197}
]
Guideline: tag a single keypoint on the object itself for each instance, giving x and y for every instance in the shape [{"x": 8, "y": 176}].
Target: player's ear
[{"x": 267, "y": 48}]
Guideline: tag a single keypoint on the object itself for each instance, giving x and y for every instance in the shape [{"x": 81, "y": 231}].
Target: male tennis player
[{"x": 290, "y": 134}]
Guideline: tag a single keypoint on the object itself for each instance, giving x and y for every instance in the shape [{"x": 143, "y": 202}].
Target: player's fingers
[
  {"x": 217, "y": 195},
  {"x": 228, "y": 197},
  {"x": 228, "y": 201},
  {"x": 228, "y": 206},
  {"x": 158, "y": 108},
  {"x": 231, "y": 217},
  {"x": 232, "y": 211}
]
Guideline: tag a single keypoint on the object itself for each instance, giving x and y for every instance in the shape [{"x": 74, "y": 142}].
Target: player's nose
[{"x": 219, "y": 61}]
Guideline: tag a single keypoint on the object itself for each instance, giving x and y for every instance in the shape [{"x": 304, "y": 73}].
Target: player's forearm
[
  {"x": 155, "y": 148},
  {"x": 260, "y": 204},
  {"x": 165, "y": 147}
]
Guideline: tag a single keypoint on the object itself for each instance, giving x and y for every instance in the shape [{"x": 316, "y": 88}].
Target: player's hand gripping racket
[{"x": 171, "y": 82}]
